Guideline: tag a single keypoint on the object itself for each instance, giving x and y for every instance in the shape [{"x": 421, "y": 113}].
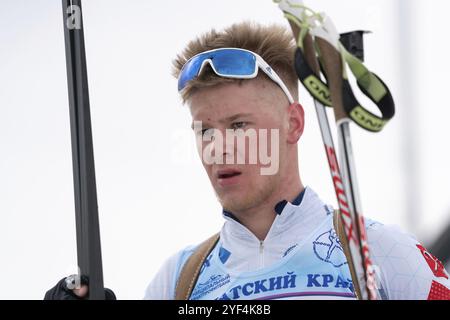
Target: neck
[{"x": 259, "y": 219}]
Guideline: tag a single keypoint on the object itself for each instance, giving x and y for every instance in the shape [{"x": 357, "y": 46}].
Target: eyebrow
[
  {"x": 230, "y": 118},
  {"x": 234, "y": 117}
]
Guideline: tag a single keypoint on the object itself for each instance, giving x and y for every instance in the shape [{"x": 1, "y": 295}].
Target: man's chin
[
  {"x": 236, "y": 199},
  {"x": 234, "y": 203}
]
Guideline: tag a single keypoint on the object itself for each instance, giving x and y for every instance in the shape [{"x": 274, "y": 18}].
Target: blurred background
[{"x": 154, "y": 198}]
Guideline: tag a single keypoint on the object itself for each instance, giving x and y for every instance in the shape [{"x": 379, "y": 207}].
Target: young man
[{"x": 278, "y": 239}]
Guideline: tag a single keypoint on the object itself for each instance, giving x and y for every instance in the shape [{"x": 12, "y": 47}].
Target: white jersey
[{"x": 301, "y": 258}]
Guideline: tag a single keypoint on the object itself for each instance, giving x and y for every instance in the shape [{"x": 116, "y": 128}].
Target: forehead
[{"x": 253, "y": 97}]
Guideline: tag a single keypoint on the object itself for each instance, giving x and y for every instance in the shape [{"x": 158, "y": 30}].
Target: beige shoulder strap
[
  {"x": 191, "y": 269},
  {"x": 339, "y": 227}
]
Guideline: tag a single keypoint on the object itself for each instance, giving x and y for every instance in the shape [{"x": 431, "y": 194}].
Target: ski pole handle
[
  {"x": 331, "y": 61},
  {"x": 309, "y": 51}
]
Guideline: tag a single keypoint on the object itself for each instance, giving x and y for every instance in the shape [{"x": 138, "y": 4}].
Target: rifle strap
[
  {"x": 191, "y": 269},
  {"x": 339, "y": 228}
]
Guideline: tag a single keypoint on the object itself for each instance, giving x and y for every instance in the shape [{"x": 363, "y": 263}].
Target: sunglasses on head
[{"x": 229, "y": 63}]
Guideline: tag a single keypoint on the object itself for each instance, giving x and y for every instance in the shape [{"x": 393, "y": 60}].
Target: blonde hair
[{"x": 274, "y": 43}]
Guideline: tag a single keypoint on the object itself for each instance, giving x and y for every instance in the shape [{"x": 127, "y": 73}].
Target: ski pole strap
[
  {"x": 373, "y": 87},
  {"x": 368, "y": 82}
]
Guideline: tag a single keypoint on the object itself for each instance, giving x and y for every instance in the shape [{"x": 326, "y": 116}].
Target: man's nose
[{"x": 222, "y": 145}]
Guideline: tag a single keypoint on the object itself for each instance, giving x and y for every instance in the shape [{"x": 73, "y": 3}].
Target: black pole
[
  {"x": 353, "y": 41},
  {"x": 86, "y": 211}
]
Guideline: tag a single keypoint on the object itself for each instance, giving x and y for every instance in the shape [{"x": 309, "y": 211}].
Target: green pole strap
[{"x": 368, "y": 82}]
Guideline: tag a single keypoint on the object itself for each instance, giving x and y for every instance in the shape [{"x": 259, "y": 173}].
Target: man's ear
[{"x": 296, "y": 118}]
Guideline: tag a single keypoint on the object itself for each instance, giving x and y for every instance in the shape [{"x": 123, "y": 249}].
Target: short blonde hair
[{"x": 274, "y": 43}]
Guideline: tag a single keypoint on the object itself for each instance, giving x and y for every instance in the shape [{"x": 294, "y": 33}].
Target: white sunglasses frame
[{"x": 260, "y": 64}]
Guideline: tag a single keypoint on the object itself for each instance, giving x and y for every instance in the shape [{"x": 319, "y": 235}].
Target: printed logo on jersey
[
  {"x": 327, "y": 247},
  {"x": 268, "y": 285},
  {"x": 329, "y": 210},
  {"x": 435, "y": 265},
  {"x": 213, "y": 283},
  {"x": 289, "y": 250},
  {"x": 206, "y": 264},
  {"x": 224, "y": 254},
  {"x": 328, "y": 280}
]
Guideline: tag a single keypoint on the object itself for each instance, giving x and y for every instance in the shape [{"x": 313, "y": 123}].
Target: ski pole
[
  {"x": 334, "y": 57},
  {"x": 336, "y": 176},
  {"x": 354, "y": 221},
  {"x": 309, "y": 29},
  {"x": 86, "y": 211}
]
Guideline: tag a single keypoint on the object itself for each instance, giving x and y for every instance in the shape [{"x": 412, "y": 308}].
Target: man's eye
[
  {"x": 201, "y": 132},
  {"x": 208, "y": 133},
  {"x": 238, "y": 125}
]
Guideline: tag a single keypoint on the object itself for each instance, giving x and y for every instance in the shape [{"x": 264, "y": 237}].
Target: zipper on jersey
[{"x": 261, "y": 254}]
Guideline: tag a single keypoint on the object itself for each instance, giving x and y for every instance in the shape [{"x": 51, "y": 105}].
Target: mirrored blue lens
[
  {"x": 190, "y": 71},
  {"x": 227, "y": 63}
]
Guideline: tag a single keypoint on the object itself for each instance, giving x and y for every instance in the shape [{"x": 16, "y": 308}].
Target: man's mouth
[{"x": 228, "y": 177}]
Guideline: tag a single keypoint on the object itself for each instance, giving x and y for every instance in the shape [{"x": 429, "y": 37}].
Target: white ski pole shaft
[{"x": 353, "y": 219}]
